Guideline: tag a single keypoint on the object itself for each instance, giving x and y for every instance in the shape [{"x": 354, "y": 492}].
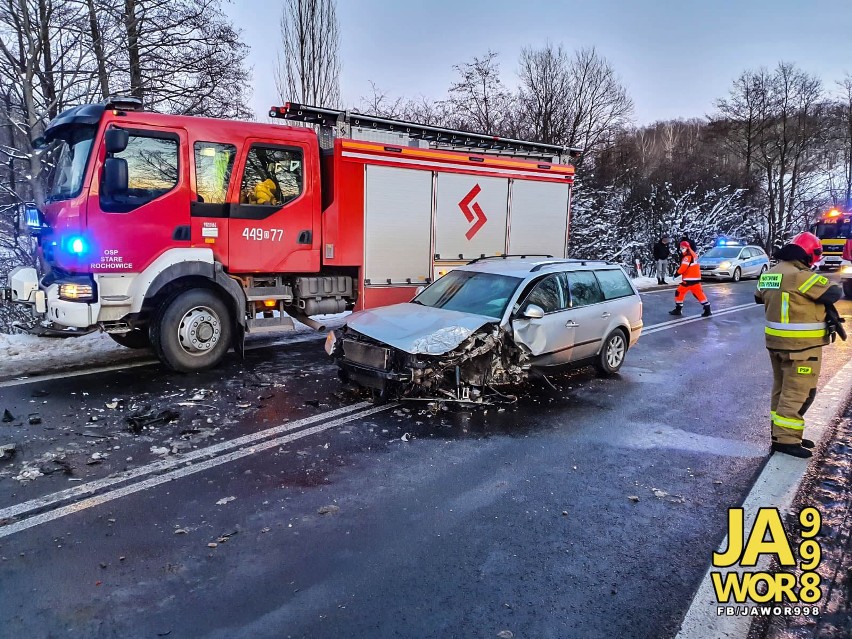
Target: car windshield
[
  {"x": 480, "y": 293},
  {"x": 73, "y": 149},
  {"x": 723, "y": 251}
]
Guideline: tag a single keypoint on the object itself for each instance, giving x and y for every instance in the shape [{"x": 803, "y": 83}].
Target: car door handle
[
  {"x": 571, "y": 324},
  {"x": 606, "y": 315}
]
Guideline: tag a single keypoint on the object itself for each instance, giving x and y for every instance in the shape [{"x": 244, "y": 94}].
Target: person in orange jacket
[{"x": 690, "y": 280}]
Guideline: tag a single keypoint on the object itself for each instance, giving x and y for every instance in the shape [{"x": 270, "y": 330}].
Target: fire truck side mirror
[
  {"x": 115, "y": 177},
  {"x": 116, "y": 140}
]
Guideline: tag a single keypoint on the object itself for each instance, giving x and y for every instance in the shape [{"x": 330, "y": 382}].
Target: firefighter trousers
[
  {"x": 692, "y": 287},
  {"x": 794, "y": 387}
]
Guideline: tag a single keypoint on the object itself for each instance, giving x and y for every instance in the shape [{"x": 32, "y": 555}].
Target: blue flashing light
[{"x": 77, "y": 245}]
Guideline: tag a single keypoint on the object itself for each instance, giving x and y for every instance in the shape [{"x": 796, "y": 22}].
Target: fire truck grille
[{"x": 366, "y": 354}]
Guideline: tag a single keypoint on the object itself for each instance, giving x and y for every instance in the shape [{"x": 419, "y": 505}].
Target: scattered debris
[
  {"x": 222, "y": 539},
  {"x": 662, "y": 494},
  {"x": 34, "y": 419},
  {"x": 147, "y": 418},
  {"x": 7, "y": 451},
  {"x": 406, "y": 437},
  {"x": 112, "y": 405},
  {"x": 505, "y": 634},
  {"x": 55, "y": 466},
  {"x": 265, "y": 529},
  {"x": 564, "y": 513},
  {"x": 328, "y": 510},
  {"x": 243, "y": 405},
  {"x": 312, "y": 402},
  {"x": 96, "y": 458},
  {"x": 40, "y": 393},
  {"x": 181, "y": 531},
  {"x": 212, "y": 544},
  {"x": 634, "y": 498},
  {"x": 159, "y": 450},
  {"x": 225, "y": 500},
  {"x": 29, "y": 474},
  {"x": 7, "y": 416}
]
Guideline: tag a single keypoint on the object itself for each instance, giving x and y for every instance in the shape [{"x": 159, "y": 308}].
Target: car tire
[
  {"x": 137, "y": 338},
  {"x": 612, "y": 353},
  {"x": 847, "y": 289},
  {"x": 192, "y": 331},
  {"x": 763, "y": 270},
  {"x": 737, "y": 275}
]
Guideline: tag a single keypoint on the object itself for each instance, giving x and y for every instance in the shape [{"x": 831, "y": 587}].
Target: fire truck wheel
[
  {"x": 192, "y": 332},
  {"x": 137, "y": 338}
]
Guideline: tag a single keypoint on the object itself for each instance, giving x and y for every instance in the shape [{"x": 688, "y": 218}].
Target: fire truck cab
[{"x": 183, "y": 233}]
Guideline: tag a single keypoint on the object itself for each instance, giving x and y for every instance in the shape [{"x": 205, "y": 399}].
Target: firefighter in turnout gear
[
  {"x": 795, "y": 300},
  {"x": 690, "y": 281}
]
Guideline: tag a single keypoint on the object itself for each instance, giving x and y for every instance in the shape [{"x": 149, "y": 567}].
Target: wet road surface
[{"x": 276, "y": 504}]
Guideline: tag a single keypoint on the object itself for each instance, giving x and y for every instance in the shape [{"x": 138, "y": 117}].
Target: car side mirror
[
  {"x": 419, "y": 290},
  {"x": 533, "y": 311},
  {"x": 115, "y": 177},
  {"x": 116, "y": 140}
]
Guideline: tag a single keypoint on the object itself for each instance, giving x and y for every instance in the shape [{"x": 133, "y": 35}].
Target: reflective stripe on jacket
[
  {"x": 795, "y": 321},
  {"x": 689, "y": 269}
]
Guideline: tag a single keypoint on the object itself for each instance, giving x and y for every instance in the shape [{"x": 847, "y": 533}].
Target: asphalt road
[{"x": 279, "y": 504}]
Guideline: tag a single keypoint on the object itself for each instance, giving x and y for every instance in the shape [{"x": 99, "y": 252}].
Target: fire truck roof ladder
[{"x": 342, "y": 121}]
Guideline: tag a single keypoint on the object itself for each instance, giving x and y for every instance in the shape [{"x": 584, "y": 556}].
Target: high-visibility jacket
[
  {"x": 795, "y": 319},
  {"x": 689, "y": 269}
]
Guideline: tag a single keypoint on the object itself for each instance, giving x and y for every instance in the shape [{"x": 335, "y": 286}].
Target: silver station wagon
[{"x": 494, "y": 322}]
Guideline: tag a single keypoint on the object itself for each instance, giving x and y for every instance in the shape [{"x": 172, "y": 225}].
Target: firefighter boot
[
  {"x": 707, "y": 312},
  {"x": 807, "y": 443},
  {"x": 678, "y": 310},
  {"x": 794, "y": 450}
]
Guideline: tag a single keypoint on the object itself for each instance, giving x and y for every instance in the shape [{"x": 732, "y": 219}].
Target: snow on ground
[
  {"x": 644, "y": 283},
  {"x": 24, "y": 355}
]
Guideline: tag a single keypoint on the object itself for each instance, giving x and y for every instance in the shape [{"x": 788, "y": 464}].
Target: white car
[
  {"x": 489, "y": 324},
  {"x": 733, "y": 262}
]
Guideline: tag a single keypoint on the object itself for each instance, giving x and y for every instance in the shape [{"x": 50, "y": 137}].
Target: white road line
[
  {"x": 664, "y": 326},
  {"x": 776, "y": 486},
  {"x": 97, "y": 500},
  {"x": 76, "y": 373},
  {"x": 167, "y": 464},
  {"x": 295, "y": 339}
]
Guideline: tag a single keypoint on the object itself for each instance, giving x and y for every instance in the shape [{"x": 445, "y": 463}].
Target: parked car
[
  {"x": 733, "y": 262},
  {"x": 492, "y": 323}
]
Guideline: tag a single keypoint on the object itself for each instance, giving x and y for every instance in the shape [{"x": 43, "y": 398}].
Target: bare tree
[
  {"x": 778, "y": 123},
  {"x": 572, "y": 100},
  {"x": 308, "y": 71},
  {"x": 843, "y": 112},
  {"x": 479, "y": 101}
]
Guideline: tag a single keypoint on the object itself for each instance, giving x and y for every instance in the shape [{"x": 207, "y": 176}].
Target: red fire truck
[{"x": 184, "y": 233}]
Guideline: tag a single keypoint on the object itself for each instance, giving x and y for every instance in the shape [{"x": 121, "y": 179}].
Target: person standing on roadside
[
  {"x": 798, "y": 325},
  {"x": 690, "y": 280},
  {"x": 661, "y": 256}
]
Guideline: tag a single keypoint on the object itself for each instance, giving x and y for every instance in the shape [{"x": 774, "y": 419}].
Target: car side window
[
  {"x": 548, "y": 294},
  {"x": 614, "y": 284},
  {"x": 272, "y": 176},
  {"x": 152, "y": 171},
  {"x": 584, "y": 289}
]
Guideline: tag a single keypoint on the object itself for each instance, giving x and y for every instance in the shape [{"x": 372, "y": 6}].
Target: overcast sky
[{"x": 674, "y": 56}]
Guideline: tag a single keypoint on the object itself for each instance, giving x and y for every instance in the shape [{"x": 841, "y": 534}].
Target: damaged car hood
[{"x": 418, "y": 329}]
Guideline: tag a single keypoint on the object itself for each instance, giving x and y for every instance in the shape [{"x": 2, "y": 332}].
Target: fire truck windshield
[
  {"x": 833, "y": 231},
  {"x": 74, "y": 146}
]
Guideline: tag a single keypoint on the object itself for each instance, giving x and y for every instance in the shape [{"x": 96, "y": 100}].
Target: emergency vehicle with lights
[
  {"x": 834, "y": 230},
  {"x": 184, "y": 233}
]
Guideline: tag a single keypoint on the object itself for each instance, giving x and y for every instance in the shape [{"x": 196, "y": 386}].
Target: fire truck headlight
[{"x": 76, "y": 292}]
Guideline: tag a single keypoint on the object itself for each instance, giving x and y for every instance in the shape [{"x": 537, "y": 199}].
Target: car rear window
[{"x": 614, "y": 284}]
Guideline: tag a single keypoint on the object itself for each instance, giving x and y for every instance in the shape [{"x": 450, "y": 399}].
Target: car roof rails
[
  {"x": 538, "y": 267},
  {"x": 503, "y": 257}
]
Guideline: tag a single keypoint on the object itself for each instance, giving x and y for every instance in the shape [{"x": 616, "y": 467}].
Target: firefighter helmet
[{"x": 811, "y": 244}]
